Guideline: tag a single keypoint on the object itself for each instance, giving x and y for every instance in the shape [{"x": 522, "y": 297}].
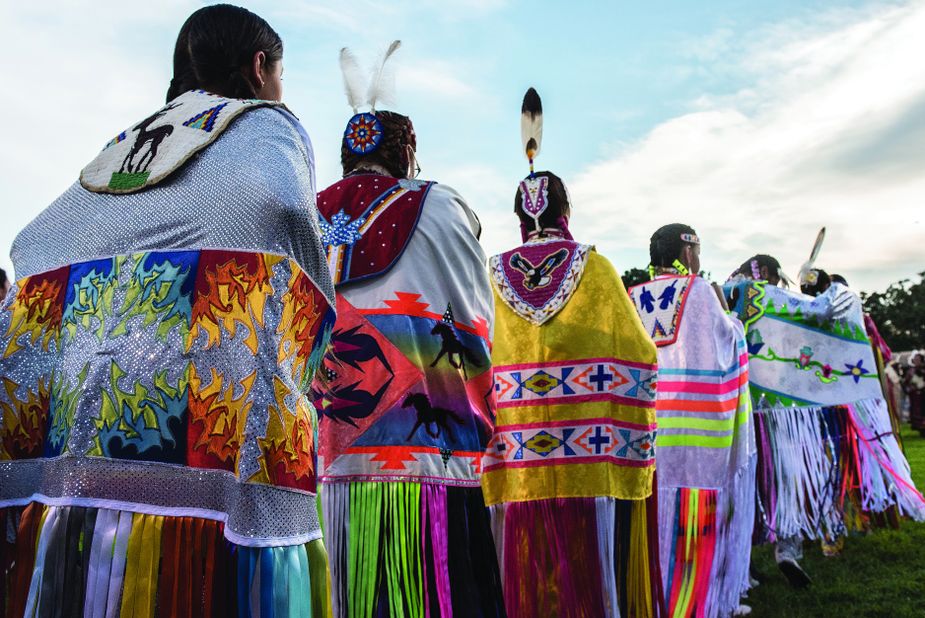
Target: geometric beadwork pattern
[
  {"x": 595, "y": 379},
  {"x": 600, "y": 440},
  {"x": 660, "y": 304}
]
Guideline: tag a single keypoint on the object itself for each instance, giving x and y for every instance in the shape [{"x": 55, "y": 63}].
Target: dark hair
[
  {"x": 666, "y": 244},
  {"x": 823, "y": 281},
  {"x": 3, "y": 278},
  {"x": 760, "y": 260},
  {"x": 397, "y": 132},
  {"x": 214, "y": 48},
  {"x": 838, "y": 279},
  {"x": 558, "y": 203}
]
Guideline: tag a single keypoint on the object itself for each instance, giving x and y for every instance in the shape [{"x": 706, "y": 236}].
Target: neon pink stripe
[
  {"x": 633, "y": 463},
  {"x": 576, "y": 423},
  {"x": 580, "y": 361},
  {"x": 570, "y": 399},
  {"x": 703, "y": 388}
]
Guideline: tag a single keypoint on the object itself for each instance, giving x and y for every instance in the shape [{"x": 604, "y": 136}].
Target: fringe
[
  {"x": 825, "y": 471},
  {"x": 706, "y": 545},
  {"x": 554, "y": 551},
  {"x": 103, "y": 563},
  {"x": 410, "y": 549}
]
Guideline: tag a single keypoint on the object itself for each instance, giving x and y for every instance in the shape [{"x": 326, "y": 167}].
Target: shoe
[
  {"x": 794, "y": 573},
  {"x": 752, "y": 582},
  {"x": 742, "y": 610}
]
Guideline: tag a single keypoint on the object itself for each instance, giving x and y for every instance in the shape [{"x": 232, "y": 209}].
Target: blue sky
[{"x": 756, "y": 122}]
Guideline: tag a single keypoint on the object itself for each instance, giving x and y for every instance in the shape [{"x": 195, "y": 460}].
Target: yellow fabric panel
[
  {"x": 599, "y": 321},
  {"x": 566, "y": 481}
]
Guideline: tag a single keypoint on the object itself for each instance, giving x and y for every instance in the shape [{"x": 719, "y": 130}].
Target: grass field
[{"x": 877, "y": 575}]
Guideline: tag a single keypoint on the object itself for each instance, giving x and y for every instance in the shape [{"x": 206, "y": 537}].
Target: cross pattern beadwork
[
  {"x": 572, "y": 382},
  {"x": 600, "y": 440}
]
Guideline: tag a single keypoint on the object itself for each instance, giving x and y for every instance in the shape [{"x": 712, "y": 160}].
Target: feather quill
[
  {"x": 531, "y": 125},
  {"x": 808, "y": 264},
  {"x": 353, "y": 78},
  {"x": 377, "y": 85}
]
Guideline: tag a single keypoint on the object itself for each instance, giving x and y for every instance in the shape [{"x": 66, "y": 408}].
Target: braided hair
[
  {"x": 397, "y": 133},
  {"x": 216, "y": 46}
]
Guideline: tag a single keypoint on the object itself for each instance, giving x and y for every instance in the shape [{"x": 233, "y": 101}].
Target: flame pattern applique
[
  {"x": 37, "y": 310},
  {"x": 217, "y": 420},
  {"x": 231, "y": 289},
  {"x": 22, "y": 432},
  {"x": 89, "y": 296},
  {"x": 143, "y": 423},
  {"x": 288, "y": 449},
  {"x": 305, "y": 315},
  {"x": 160, "y": 289},
  {"x": 62, "y": 412}
]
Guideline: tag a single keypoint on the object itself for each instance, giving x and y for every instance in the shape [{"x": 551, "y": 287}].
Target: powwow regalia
[
  {"x": 569, "y": 470},
  {"x": 705, "y": 445},
  {"x": 156, "y": 449},
  {"x": 405, "y": 394},
  {"x": 828, "y": 458}
]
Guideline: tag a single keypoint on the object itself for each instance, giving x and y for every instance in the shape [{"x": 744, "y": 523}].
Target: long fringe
[
  {"x": 103, "y": 563},
  {"x": 825, "y": 471},
  {"x": 410, "y": 549},
  {"x": 706, "y": 545}
]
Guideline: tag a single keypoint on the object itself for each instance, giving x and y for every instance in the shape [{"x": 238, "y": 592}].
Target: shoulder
[{"x": 448, "y": 204}]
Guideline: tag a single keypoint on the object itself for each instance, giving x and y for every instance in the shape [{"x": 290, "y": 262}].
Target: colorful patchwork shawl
[
  {"x": 537, "y": 279},
  {"x": 367, "y": 221},
  {"x": 154, "y": 148},
  {"x": 705, "y": 445},
  {"x": 822, "y": 423},
  {"x": 166, "y": 383}
]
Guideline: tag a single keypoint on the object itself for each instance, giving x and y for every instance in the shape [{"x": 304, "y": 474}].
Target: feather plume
[
  {"x": 531, "y": 125},
  {"x": 378, "y": 83},
  {"x": 353, "y": 78},
  {"x": 808, "y": 264}
]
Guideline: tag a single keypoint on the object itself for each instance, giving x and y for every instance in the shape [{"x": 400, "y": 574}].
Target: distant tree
[
  {"x": 899, "y": 313},
  {"x": 634, "y": 276}
]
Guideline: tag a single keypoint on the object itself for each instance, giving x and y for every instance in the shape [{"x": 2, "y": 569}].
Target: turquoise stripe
[{"x": 691, "y": 372}]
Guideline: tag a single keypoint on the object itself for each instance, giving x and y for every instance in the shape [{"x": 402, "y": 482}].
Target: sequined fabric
[{"x": 168, "y": 374}]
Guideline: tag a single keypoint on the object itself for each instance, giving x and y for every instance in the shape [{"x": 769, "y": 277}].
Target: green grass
[{"x": 880, "y": 574}]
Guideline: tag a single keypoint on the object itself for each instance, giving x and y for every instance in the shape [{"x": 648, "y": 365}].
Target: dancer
[
  {"x": 828, "y": 459},
  {"x": 404, "y": 400},
  {"x": 706, "y": 443},
  {"x": 569, "y": 470},
  {"x": 157, "y": 451}
]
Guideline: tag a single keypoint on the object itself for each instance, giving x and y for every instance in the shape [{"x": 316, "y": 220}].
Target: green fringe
[{"x": 385, "y": 529}]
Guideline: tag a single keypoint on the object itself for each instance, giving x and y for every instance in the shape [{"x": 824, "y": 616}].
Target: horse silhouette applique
[
  {"x": 146, "y": 136},
  {"x": 429, "y": 416},
  {"x": 453, "y": 348},
  {"x": 538, "y": 276}
]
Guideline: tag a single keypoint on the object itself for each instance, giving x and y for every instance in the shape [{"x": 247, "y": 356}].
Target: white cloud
[{"x": 826, "y": 131}]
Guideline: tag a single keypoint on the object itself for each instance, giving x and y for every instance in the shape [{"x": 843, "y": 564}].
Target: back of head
[
  {"x": 816, "y": 282},
  {"x": 667, "y": 242},
  {"x": 760, "y": 266},
  {"x": 216, "y": 46},
  {"x": 392, "y": 150},
  {"x": 558, "y": 207}
]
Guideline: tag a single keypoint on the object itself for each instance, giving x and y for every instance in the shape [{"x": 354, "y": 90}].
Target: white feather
[
  {"x": 531, "y": 122},
  {"x": 353, "y": 78},
  {"x": 379, "y": 84},
  {"x": 817, "y": 247}
]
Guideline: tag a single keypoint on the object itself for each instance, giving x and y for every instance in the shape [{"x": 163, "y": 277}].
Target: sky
[{"x": 755, "y": 121}]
